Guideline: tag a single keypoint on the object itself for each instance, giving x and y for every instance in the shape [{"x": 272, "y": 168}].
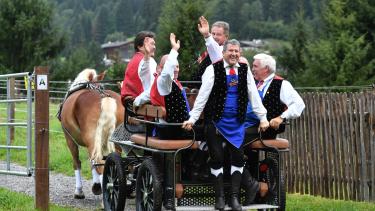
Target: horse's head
[{"x": 87, "y": 75}]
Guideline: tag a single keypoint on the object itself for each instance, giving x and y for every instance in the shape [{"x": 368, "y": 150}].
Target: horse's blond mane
[{"x": 85, "y": 76}]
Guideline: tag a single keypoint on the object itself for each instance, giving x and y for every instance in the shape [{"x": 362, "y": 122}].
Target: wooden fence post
[{"x": 41, "y": 138}]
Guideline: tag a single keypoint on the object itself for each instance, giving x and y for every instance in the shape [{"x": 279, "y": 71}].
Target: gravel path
[{"x": 60, "y": 192}]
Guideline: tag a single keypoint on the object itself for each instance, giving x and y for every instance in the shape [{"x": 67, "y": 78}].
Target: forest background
[{"x": 316, "y": 43}]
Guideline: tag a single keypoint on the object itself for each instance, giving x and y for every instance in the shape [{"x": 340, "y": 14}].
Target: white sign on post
[{"x": 42, "y": 82}]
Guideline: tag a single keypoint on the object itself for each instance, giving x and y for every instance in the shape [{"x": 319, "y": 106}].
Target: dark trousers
[
  {"x": 215, "y": 148},
  {"x": 172, "y": 132}
]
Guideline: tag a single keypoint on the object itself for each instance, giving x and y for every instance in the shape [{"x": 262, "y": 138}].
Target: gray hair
[
  {"x": 266, "y": 61},
  {"x": 231, "y": 42},
  {"x": 223, "y": 25}
]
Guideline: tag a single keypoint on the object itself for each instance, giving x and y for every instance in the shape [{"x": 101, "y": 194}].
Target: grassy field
[
  {"x": 15, "y": 201},
  {"x": 61, "y": 161},
  {"x": 60, "y": 157}
]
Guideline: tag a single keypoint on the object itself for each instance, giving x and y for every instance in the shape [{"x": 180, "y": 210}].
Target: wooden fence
[{"x": 332, "y": 150}]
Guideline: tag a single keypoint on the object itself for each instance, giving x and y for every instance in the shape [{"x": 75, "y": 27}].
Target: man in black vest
[
  {"x": 278, "y": 96},
  {"x": 281, "y": 101},
  {"x": 227, "y": 87}
]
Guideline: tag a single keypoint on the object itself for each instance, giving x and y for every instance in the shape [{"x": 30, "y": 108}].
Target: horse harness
[{"x": 85, "y": 85}]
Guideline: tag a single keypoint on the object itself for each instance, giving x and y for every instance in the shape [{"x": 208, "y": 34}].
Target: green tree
[
  {"x": 341, "y": 57},
  {"x": 102, "y": 25},
  {"x": 79, "y": 58},
  {"x": 124, "y": 17},
  {"x": 292, "y": 59},
  {"x": 181, "y": 18},
  {"x": 27, "y": 36}
]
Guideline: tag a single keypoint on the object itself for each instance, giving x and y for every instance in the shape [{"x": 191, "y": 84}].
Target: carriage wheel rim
[
  {"x": 112, "y": 187},
  {"x": 147, "y": 191}
]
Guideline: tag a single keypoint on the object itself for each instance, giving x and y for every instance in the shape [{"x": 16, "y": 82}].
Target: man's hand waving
[
  {"x": 175, "y": 44},
  {"x": 204, "y": 27}
]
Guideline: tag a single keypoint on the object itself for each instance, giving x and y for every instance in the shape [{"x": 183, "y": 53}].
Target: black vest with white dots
[
  {"x": 216, "y": 101},
  {"x": 202, "y": 67},
  {"x": 271, "y": 100},
  {"x": 274, "y": 106},
  {"x": 175, "y": 105}
]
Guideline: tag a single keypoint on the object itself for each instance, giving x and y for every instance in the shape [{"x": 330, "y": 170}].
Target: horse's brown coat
[{"x": 80, "y": 114}]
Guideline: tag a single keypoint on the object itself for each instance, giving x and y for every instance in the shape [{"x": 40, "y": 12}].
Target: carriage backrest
[{"x": 148, "y": 110}]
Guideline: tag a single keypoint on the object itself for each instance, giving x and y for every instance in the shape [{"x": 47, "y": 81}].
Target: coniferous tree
[
  {"x": 27, "y": 36},
  {"x": 124, "y": 18},
  {"x": 102, "y": 25},
  {"x": 292, "y": 60},
  {"x": 342, "y": 57},
  {"x": 181, "y": 18}
]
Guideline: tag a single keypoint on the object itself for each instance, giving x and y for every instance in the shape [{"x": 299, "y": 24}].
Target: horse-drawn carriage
[{"x": 158, "y": 172}]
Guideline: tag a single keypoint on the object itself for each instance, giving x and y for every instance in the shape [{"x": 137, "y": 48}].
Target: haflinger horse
[{"x": 88, "y": 116}]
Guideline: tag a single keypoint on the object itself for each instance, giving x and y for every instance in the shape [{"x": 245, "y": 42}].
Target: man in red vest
[{"x": 140, "y": 71}]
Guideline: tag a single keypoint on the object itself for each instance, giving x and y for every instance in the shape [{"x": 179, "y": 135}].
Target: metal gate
[{"x": 9, "y": 101}]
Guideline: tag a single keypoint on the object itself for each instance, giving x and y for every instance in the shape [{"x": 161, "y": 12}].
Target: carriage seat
[
  {"x": 151, "y": 111},
  {"x": 279, "y": 143},
  {"x": 156, "y": 143}
]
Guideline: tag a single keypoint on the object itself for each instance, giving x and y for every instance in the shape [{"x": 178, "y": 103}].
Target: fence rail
[{"x": 333, "y": 147}]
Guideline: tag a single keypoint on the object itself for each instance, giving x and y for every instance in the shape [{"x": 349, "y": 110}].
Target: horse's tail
[{"x": 105, "y": 127}]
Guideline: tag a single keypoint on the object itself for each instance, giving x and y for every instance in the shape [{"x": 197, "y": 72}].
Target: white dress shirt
[
  {"x": 288, "y": 95},
  {"x": 165, "y": 80},
  {"x": 208, "y": 79},
  {"x": 215, "y": 51},
  {"x": 146, "y": 71}
]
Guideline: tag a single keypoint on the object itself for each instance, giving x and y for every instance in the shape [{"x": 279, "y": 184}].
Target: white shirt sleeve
[
  {"x": 165, "y": 80},
  {"x": 214, "y": 50},
  {"x": 254, "y": 98},
  {"x": 290, "y": 97},
  {"x": 146, "y": 71},
  {"x": 208, "y": 79}
]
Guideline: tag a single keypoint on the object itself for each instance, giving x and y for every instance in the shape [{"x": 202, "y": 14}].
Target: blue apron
[
  {"x": 252, "y": 119},
  {"x": 229, "y": 125}
]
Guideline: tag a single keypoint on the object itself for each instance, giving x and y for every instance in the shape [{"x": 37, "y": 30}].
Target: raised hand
[
  {"x": 175, "y": 44},
  {"x": 204, "y": 27}
]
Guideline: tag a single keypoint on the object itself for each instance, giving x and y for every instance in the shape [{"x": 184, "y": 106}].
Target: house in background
[
  {"x": 119, "y": 51},
  {"x": 253, "y": 45}
]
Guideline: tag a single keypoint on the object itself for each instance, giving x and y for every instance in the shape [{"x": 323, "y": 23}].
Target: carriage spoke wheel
[
  {"x": 269, "y": 174},
  {"x": 114, "y": 183},
  {"x": 149, "y": 187}
]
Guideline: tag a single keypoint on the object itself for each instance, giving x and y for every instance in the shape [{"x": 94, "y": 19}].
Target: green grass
[
  {"x": 16, "y": 201},
  {"x": 60, "y": 159},
  {"x": 307, "y": 202}
]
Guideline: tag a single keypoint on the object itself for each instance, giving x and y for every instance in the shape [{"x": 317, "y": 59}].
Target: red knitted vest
[
  {"x": 156, "y": 98},
  {"x": 132, "y": 85}
]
